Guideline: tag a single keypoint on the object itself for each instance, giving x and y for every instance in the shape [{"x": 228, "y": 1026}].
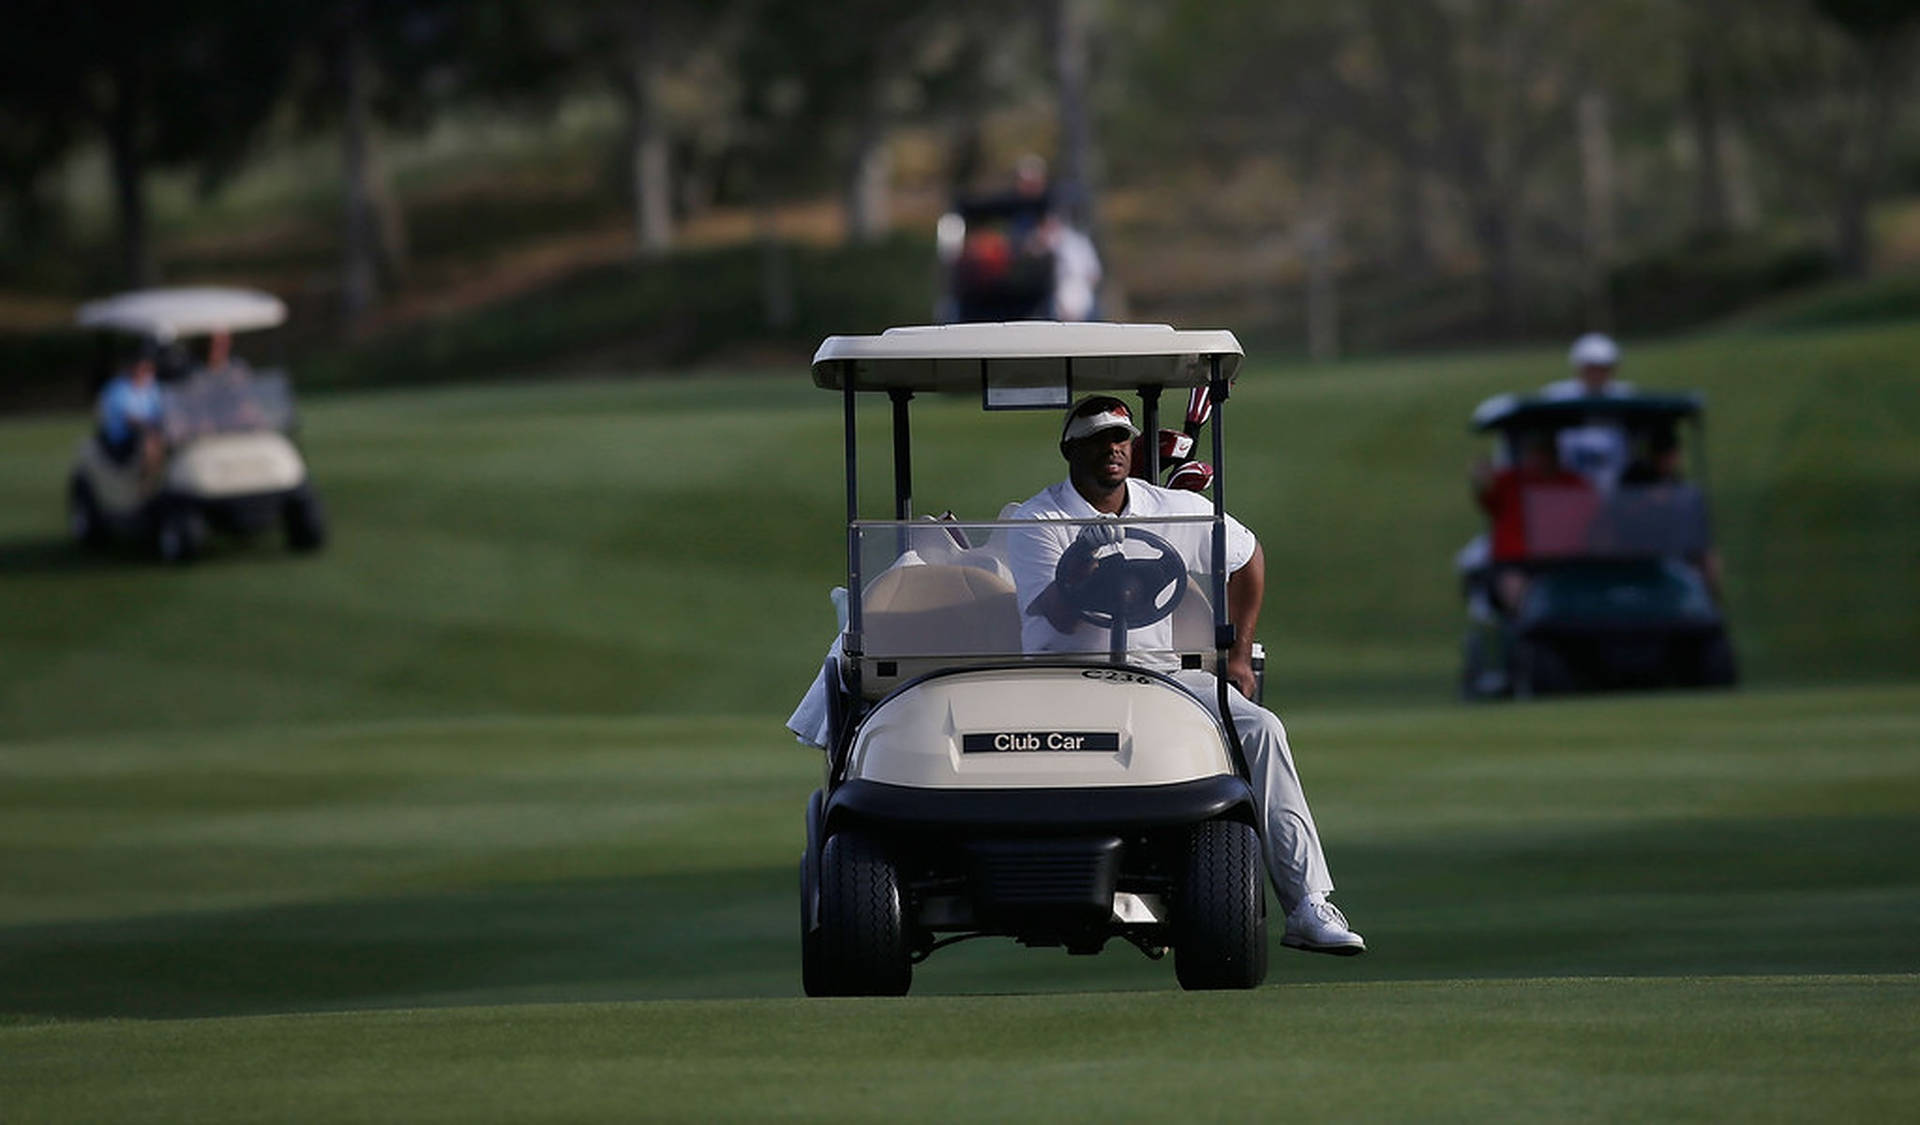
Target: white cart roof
[
  {"x": 168, "y": 314},
  {"x": 1086, "y": 356}
]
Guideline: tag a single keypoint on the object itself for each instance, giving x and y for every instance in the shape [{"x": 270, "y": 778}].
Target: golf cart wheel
[
  {"x": 814, "y": 978},
  {"x": 862, "y": 937},
  {"x": 1539, "y": 669},
  {"x": 306, "y": 522},
  {"x": 180, "y": 534},
  {"x": 1220, "y": 922},
  {"x": 1709, "y": 662},
  {"x": 83, "y": 516}
]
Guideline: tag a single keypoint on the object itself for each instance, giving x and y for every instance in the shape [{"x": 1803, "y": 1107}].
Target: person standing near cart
[{"x": 1097, "y": 441}]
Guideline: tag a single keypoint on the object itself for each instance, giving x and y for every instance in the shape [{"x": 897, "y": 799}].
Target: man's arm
[
  {"x": 1033, "y": 554},
  {"x": 1246, "y": 588}
]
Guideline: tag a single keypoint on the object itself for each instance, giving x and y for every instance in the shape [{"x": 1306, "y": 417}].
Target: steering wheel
[{"x": 1112, "y": 589}]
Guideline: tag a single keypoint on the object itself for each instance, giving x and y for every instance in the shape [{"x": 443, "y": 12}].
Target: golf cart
[
  {"x": 990, "y": 270},
  {"x": 227, "y": 457},
  {"x": 1605, "y": 579},
  {"x": 974, "y": 788}
]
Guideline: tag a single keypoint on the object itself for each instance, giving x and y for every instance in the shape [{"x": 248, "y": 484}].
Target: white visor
[{"x": 1114, "y": 417}]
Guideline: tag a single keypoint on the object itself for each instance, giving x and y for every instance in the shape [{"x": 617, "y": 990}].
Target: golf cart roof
[
  {"x": 1510, "y": 411},
  {"x": 168, "y": 314},
  {"x": 960, "y": 358}
]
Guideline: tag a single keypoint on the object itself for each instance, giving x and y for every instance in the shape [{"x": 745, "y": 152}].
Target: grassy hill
[
  {"x": 486, "y": 812},
  {"x": 619, "y": 547}
]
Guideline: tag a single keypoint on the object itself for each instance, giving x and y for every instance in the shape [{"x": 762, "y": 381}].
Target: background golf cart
[
  {"x": 990, "y": 267},
  {"x": 1619, "y": 590},
  {"x": 231, "y": 463},
  {"x": 974, "y": 790}
]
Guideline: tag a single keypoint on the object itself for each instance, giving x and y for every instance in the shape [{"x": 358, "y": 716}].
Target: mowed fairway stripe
[
  {"x": 1707, "y": 1049},
  {"x": 396, "y": 864}
]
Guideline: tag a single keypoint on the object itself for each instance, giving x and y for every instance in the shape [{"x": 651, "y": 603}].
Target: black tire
[
  {"x": 1709, "y": 663},
  {"x": 1539, "y": 669},
  {"x": 306, "y": 522},
  {"x": 814, "y": 978},
  {"x": 84, "y": 521},
  {"x": 863, "y": 935},
  {"x": 180, "y": 535},
  {"x": 1220, "y": 921}
]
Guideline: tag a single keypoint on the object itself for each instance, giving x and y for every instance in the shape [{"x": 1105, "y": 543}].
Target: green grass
[
  {"x": 1675, "y": 908},
  {"x": 486, "y": 813},
  {"x": 1435, "y": 1051}
]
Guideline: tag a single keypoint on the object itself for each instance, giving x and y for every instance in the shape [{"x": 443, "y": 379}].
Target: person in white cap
[
  {"x": 1595, "y": 360},
  {"x": 1598, "y": 449},
  {"x": 1097, "y": 441}
]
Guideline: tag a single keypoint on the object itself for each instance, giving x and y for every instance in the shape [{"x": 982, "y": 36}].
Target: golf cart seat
[
  {"x": 1558, "y": 519},
  {"x": 1193, "y": 629},
  {"x": 918, "y": 618}
]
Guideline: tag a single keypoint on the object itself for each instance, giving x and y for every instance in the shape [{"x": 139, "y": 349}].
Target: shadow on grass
[
  {"x": 1838, "y": 895},
  {"x": 52, "y": 555}
]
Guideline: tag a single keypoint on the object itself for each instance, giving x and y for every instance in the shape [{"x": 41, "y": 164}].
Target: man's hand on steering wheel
[{"x": 1107, "y": 586}]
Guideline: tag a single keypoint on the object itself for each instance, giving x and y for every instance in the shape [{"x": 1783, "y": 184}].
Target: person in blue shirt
[{"x": 129, "y": 412}]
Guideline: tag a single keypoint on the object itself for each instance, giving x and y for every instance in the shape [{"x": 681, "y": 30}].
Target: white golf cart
[
  {"x": 1061, "y": 798},
  {"x": 230, "y": 462}
]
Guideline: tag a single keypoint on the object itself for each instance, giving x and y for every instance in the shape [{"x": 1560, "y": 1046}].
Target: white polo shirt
[
  {"x": 1595, "y": 450},
  {"x": 1034, "y": 555}
]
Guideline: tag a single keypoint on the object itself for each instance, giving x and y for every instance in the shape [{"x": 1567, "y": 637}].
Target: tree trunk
[
  {"x": 1712, "y": 201},
  {"x": 129, "y": 174},
  {"x": 1412, "y": 241},
  {"x": 1073, "y": 183},
  {"x": 649, "y": 157},
  {"x": 1494, "y": 233},
  {"x": 1596, "y": 174},
  {"x": 1864, "y": 164},
  {"x": 776, "y": 278},
  {"x": 359, "y": 276},
  {"x": 869, "y": 181},
  {"x": 1318, "y": 244}
]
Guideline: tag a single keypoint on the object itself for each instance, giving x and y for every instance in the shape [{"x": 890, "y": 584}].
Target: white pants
[{"x": 1295, "y": 862}]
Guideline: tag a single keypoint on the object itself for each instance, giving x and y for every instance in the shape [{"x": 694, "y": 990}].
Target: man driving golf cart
[
  {"x": 214, "y": 437},
  {"x": 1025, "y": 734}
]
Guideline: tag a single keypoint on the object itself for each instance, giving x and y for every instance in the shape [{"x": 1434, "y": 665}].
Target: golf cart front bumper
[
  {"x": 1119, "y": 810},
  {"x": 1047, "y": 866}
]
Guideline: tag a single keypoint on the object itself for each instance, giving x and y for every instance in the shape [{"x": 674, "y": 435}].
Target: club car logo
[{"x": 1039, "y": 741}]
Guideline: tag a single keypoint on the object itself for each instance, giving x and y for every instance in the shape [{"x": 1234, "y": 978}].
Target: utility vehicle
[
  {"x": 973, "y": 788},
  {"x": 1608, "y": 577},
  {"x": 228, "y": 460}
]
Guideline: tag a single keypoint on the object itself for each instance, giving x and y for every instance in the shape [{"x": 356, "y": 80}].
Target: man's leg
[{"x": 1295, "y": 860}]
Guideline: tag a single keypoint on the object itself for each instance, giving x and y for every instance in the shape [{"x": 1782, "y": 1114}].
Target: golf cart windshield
[
  {"x": 1099, "y": 591},
  {"x": 1624, "y": 473},
  {"x": 1147, "y": 592},
  {"x": 231, "y": 400}
]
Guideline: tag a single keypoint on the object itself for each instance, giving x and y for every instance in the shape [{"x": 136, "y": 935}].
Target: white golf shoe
[{"x": 1317, "y": 926}]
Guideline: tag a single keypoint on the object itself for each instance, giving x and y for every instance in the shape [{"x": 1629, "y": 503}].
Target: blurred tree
[
  {"x": 645, "y": 50},
  {"x": 1073, "y": 28},
  {"x": 847, "y": 75},
  {"x": 1820, "y": 83},
  {"x": 402, "y": 63},
  {"x": 1468, "y": 111},
  {"x": 164, "y": 87},
  {"x": 1885, "y": 40}
]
